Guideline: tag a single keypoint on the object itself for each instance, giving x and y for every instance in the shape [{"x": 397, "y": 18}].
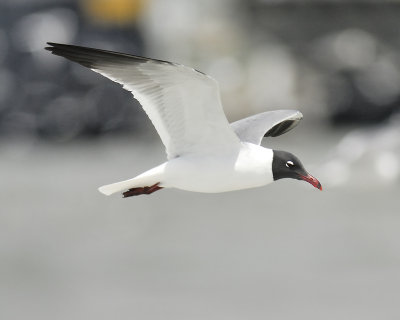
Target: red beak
[{"x": 310, "y": 179}]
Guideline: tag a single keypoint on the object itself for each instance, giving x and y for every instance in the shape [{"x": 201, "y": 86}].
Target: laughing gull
[{"x": 205, "y": 153}]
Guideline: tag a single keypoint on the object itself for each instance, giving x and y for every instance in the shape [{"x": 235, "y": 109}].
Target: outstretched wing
[
  {"x": 182, "y": 103},
  {"x": 266, "y": 124}
]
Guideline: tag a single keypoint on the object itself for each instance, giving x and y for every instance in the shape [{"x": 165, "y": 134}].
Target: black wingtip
[
  {"x": 281, "y": 128},
  {"x": 90, "y": 57},
  {"x": 50, "y": 44},
  {"x": 87, "y": 57},
  {"x": 54, "y": 45}
]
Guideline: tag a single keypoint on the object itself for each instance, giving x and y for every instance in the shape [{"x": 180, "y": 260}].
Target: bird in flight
[{"x": 205, "y": 153}]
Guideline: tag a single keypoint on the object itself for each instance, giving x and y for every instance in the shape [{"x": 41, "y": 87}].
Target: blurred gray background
[{"x": 284, "y": 251}]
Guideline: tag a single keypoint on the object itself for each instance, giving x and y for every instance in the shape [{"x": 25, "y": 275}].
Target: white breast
[{"x": 248, "y": 167}]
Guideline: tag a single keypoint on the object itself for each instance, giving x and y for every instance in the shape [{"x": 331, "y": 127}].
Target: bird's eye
[{"x": 289, "y": 164}]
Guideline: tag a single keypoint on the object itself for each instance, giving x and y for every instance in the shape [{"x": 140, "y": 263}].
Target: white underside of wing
[{"x": 183, "y": 105}]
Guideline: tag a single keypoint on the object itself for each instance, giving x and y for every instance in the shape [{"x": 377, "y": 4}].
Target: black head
[{"x": 287, "y": 165}]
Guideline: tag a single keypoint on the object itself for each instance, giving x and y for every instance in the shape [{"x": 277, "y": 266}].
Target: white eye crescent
[{"x": 289, "y": 164}]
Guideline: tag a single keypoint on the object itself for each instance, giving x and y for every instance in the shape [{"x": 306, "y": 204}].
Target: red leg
[{"x": 141, "y": 190}]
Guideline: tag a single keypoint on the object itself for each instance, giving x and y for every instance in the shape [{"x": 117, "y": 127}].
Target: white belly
[{"x": 248, "y": 168}]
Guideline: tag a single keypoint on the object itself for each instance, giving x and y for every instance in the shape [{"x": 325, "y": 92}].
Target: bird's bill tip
[{"x": 312, "y": 180}]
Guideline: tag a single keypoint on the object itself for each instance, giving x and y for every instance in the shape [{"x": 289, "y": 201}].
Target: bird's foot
[{"x": 141, "y": 190}]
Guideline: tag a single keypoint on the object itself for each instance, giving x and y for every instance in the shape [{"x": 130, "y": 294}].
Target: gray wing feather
[{"x": 266, "y": 124}]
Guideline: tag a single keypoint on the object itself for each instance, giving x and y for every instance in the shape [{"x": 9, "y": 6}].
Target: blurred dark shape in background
[
  {"x": 351, "y": 46},
  {"x": 337, "y": 60},
  {"x": 44, "y": 96}
]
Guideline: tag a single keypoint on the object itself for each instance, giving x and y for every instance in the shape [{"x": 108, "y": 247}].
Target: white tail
[
  {"x": 118, "y": 186},
  {"x": 145, "y": 179}
]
